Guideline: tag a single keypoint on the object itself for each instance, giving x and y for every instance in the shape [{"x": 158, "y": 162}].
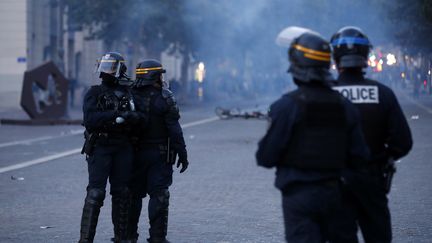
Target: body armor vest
[
  {"x": 118, "y": 99},
  {"x": 319, "y": 136},
  {"x": 156, "y": 129}
]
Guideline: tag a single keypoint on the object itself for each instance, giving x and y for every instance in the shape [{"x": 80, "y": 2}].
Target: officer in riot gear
[
  {"x": 160, "y": 142},
  {"x": 385, "y": 129},
  {"x": 314, "y": 135},
  {"x": 109, "y": 114}
]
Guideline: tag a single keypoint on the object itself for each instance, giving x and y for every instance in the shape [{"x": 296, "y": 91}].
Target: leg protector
[
  {"x": 90, "y": 214},
  {"x": 120, "y": 214},
  {"x": 158, "y": 215},
  {"x": 134, "y": 215}
]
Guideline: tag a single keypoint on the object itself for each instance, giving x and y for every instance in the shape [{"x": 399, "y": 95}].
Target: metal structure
[
  {"x": 44, "y": 92},
  {"x": 44, "y": 97}
]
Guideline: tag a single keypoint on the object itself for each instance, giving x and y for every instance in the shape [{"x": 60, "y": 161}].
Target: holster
[
  {"x": 388, "y": 172},
  {"x": 90, "y": 140}
]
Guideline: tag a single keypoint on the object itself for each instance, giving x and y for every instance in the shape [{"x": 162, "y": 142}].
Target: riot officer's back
[
  {"x": 385, "y": 128},
  {"x": 150, "y": 99},
  {"x": 382, "y": 117},
  {"x": 321, "y": 127},
  {"x": 314, "y": 135}
]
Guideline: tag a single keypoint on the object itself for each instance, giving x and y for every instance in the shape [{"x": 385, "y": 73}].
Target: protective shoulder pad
[
  {"x": 166, "y": 93},
  {"x": 95, "y": 90},
  {"x": 169, "y": 97}
]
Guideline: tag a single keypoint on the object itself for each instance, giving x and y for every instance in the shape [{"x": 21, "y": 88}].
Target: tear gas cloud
[{"x": 236, "y": 39}]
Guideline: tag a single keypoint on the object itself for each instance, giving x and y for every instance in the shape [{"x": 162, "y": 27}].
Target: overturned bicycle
[{"x": 256, "y": 113}]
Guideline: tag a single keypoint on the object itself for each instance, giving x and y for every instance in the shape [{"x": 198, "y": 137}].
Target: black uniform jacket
[
  {"x": 271, "y": 149},
  {"x": 164, "y": 116},
  {"x": 96, "y": 116},
  {"x": 384, "y": 125}
]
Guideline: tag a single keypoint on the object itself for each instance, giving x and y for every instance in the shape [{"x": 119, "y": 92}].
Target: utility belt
[
  {"x": 375, "y": 168},
  {"x": 328, "y": 182},
  {"x": 377, "y": 163},
  {"x": 313, "y": 164},
  {"x": 161, "y": 144},
  {"x": 102, "y": 137},
  {"x": 107, "y": 135},
  {"x": 153, "y": 140}
]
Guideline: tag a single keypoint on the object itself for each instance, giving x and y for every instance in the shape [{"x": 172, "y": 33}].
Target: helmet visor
[{"x": 110, "y": 66}]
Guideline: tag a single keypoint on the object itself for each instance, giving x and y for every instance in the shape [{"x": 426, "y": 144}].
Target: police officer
[
  {"x": 314, "y": 134},
  {"x": 108, "y": 117},
  {"x": 384, "y": 126},
  {"x": 159, "y": 143}
]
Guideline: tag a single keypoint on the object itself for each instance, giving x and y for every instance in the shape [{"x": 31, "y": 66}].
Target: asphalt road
[{"x": 223, "y": 197}]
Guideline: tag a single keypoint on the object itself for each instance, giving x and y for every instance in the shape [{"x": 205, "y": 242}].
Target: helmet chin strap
[{"x": 108, "y": 78}]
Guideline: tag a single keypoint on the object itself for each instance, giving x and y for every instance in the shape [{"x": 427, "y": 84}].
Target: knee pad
[
  {"x": 162, "y": 196},
  {"x": 95, "y": 196},
  {"x": 120, "y": 192}
]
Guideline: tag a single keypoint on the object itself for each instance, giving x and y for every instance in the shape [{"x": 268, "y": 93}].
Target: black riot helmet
[
  {"x": 310, "y": 55},
  {"x": 149, "y": 72},
  {"x": 112, "y": 64},
  {"x": 350, "y": 47}
]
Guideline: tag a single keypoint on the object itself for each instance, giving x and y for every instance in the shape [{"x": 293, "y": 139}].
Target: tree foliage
[
  {"x": 411, "y": 23},
  {"x": 155, "y": 25},
  {"x": 240, "y": 34}
]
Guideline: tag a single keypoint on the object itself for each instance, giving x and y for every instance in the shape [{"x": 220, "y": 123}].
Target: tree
[
  {"x": 155, "y": 25},
  {"x": 411, "y": 23}
]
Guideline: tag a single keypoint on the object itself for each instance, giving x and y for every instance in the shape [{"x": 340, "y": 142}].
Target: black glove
[
  {"x": 184, "y": 163},
  {"x": 131, "y": 116}
]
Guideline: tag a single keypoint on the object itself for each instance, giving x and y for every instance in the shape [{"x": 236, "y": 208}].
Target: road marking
[
  {"x": 78, "y": 150},
  {"x": 195, "y": 123},
  {"x": 80, "y": 131},
  {"x": 39, "y": 161},
  {"x": 44, "y": 138},
  {"x": 417, "y": 103}
]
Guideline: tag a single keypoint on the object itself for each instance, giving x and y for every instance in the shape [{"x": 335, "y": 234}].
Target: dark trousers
[
  {"x": 152, "y": 172},
  {"x": 312, "y": 213},
  {"x": 152, "y": 176},
  {"x": 368, "y": 204},
  {"x": 111, "y": 160}
]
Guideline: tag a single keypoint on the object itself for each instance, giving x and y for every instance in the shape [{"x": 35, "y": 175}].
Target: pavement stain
[{"x": 409, "y": 231}]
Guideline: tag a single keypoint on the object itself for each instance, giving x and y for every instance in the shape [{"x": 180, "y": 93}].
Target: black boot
[
  {"x": 90, "y": 214},
  {"x": 157, "y": 240},
  {"x": 134, "y": 215},
  {"x": 158, "y": 216},
  {"x": 120, "y": 216}
]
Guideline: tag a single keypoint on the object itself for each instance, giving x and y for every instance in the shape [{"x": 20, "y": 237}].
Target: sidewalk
[
  {"x": 422, "y": 99},
  {"x": 10, "y": 105}
]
